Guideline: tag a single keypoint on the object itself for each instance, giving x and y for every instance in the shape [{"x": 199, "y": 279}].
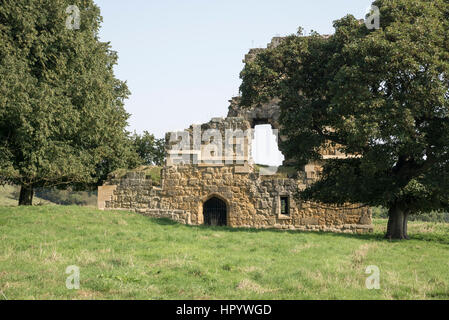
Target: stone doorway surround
[{"x": 214, "y": 211}]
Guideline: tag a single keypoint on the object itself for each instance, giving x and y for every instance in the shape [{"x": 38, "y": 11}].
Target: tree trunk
[
  {"x": 406, "y": 214},
  {"x": 397, "y": 223},
  {"x": 26, "y": 195}
]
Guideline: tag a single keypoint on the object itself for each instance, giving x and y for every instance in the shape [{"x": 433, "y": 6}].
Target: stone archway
[
  {"x": 264, "y": 114},
  {"x": 215, "y": 212}
]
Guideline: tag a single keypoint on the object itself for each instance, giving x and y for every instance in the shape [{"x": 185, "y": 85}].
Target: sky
[{"x": 182, "y": 59}]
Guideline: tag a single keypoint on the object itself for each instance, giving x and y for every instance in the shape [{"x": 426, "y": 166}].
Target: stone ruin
[{"x": 210, "y": 179}]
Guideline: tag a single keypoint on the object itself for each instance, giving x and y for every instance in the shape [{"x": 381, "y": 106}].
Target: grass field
[{"x": 123, "y": 255}]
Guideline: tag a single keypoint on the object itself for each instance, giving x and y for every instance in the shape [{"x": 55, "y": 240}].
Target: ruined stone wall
[
  {"x": 252, "y": 201},
  {"x": 194, "y": 145},
  {"x": 137, "y": 192},
  {"x": 193, "y": 174}
]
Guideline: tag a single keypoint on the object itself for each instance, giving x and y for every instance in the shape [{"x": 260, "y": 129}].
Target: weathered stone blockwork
[
  {"x": 250, "y": 199},
  {"x": 253, "y": 201}
]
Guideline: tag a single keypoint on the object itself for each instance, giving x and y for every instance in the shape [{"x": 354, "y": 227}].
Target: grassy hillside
[
  {"x": 128, "y": 256},
  {"x": 9, "y": 196}
]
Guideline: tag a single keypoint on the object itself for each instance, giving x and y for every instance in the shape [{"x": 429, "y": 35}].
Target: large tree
[
  {"x": 380, "y": 96},
  {"x": 62, "y": 119},
  {"x": 150, "y": 149}
]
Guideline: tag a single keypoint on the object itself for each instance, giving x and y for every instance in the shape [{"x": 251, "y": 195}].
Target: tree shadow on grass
[
  {"x": 380, "y": 237},
  {"x": 164, "y": 221},
  {"x": 375, "y": 236}
]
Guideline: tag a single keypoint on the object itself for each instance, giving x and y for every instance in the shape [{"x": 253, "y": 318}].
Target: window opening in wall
[{"x": 285, "y": 205}]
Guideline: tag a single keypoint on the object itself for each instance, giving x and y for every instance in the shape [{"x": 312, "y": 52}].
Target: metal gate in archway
[{"x": 214, "y": 212}]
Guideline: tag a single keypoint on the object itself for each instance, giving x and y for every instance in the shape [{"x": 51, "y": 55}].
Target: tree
[
  {"x": 379, "y": 96},
  {"x": 150, "y": 149},
  {"x": 62, "y": 119}
]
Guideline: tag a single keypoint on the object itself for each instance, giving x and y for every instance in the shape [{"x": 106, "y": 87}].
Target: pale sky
[{"x": 182, "y": 59}]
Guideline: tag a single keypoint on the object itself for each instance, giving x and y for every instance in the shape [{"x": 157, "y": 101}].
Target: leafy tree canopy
[
  {"x": 62, "y": 116},
  {"x": 379, "y": 95},
  {"x": 149, "y": 149}
]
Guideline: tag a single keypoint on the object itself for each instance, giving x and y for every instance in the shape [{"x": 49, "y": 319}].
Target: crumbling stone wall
[
  {"x": 190, "y": 146},
  {"x": 136, "y": 192},
  {"x": 252, "y": 200}
]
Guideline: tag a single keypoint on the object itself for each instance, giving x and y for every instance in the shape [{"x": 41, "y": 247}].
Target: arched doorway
[{"x": 214, "y": 212}]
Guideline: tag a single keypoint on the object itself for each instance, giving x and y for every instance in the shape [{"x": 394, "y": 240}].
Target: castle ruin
[{"x": 210, "y": 179}]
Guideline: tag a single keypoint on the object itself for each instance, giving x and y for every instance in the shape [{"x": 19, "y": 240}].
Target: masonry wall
[{"x": 252, "y": 200}]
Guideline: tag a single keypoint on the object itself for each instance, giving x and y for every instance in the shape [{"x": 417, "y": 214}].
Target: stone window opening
[
  {"x": 285, "y": 205},
  {"x": 264, "y": 148}
]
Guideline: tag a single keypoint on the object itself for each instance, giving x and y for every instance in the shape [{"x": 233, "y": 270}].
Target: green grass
[{"x": 124, "y": 255}]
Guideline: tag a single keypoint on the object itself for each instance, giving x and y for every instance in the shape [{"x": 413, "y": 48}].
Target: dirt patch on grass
[
  {"x": 249, "y": 285},
  {"x": 360, "y": 254},
  {"x": 53, "y": 257},
  {"x": 214, "y": 235},
  {"x": 171, "y": 263},
  {"x": 88, "y": 257},
  {"x": 250, "y": 269},
  {"x": 121, "y": 222},
  {"x": 87, "y": 294},
  {"x": 304, "y": 246}
]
